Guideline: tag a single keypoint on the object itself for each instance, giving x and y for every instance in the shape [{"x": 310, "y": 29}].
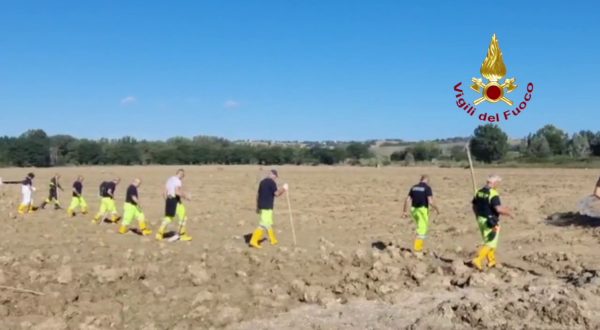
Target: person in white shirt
[
  {"x": 27, "y": 190},
  {"x": 174, "y": 195}
]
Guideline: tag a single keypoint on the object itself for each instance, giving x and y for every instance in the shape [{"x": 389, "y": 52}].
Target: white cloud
[
  {"x": 231, "y": 104},
  {"x": 129, "y": 100}
]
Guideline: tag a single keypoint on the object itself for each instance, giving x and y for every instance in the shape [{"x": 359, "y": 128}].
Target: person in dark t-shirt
[
  {"x": 265, "y": 202},
  {"x": 133, "y": 210},
  {"x": 77, "y": 200},
  {"x": 53, "y": 193},
  {"x": 488, "y": 208},
  {"x": 107, "y": 204},
  {"x": 420, "y": 198}
]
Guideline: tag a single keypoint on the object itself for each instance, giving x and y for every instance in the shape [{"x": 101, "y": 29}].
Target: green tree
[
  {"x": 356, "y": 150},
  {"x": 579, "y": 146},
  {"x": 32, "y": 148},
  {"x": 539, "y": 147},
  {"x": 425, "y": 151},
  {"x": 89, "y": 152},
  {"x": 557, "y": 139},
  {"x": 409, "y": 159},
  {"x": 489, "y": 143},
  {"x": 458, "y": 153}
]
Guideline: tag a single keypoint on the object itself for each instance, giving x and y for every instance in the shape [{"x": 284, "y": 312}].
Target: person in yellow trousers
[
  {"x": 77, "y": 201},
  {"x": 420, "y": 199},
  {"x": 265, "y": 201},
  {"x": 488, "y": 209},
  {"x": 133, "y": 210},
  {"x": 27, "y": 190},
  {"x": 53, "y": 193},
  {"x": 174, "y": 196},
  {"x": 107, "y": 203}
]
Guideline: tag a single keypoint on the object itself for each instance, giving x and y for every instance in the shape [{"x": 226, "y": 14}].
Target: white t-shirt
[{"x": 172, "y": 184}]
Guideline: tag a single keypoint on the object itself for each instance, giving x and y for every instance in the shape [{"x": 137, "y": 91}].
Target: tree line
[
  {"x": 488, "y": 144},
  {"x": 36, "y": 148}
]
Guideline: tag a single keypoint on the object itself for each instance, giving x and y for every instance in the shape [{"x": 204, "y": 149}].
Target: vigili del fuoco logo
[{"x": 493, "y": 90}]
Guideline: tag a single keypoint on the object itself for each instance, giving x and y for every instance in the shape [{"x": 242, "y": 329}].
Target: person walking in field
[
  {"x": 27, "y": 190},
  {"x": 265, "y": 201},
  {"x": 107, "y": 202},
  {"x": 488, "y": 209},
  {"x": 53, "y": 193},
  {"x": 77, "y": 201},
  {"x": 133, "y": 210},
  {"x": 174, "y": 196},
  {"x": 420, "y": 199}
]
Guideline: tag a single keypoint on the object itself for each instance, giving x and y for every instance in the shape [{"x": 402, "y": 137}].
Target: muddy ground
[{"x": 352, "y": 267}]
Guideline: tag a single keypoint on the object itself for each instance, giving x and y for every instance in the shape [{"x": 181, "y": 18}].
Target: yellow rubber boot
[
  {"x": 491, "y": 257},
  {"x": 97, "y": 219},
  {"x": 84, "y": 211},
  {"x": 115, "y": 218},
  {"x": 22, "y": 209},
  {"x": 183, "y": 235},
  {"x": 70, "y": 213},
  {"x": 272, "y": 237},
  {"x": 256, "y": 237},
  {"x": 478, "y": 262},
  {"x": 144, "y": 228},
  {"x": 419, "y": 245},
  {"x": 160, "y": 235},
  {"x": 123, "y": 229}
]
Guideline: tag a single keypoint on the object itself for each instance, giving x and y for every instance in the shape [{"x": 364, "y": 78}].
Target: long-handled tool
[
  {"x": 287, "y": 195},
  {"x": 468, "y": 147}
]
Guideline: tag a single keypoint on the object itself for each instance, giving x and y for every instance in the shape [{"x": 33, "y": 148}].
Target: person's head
[
  {"x": 180, "y": 173},
  {"x": 136, "y": 182},
  {"x": 273, "y": 174},
  {"x": 425, "y": 178},
  {"x": 493, "y": 180},
  {"x": 117, "y": 180},
  {"x": 30, "y": 175},
  {"x": 80, "y": 178}
]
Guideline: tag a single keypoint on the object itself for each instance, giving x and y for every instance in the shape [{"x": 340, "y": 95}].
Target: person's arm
[
  {"x": 501, "y": 209},
  {"x": 282, "y": 190},
  {"x": 432, "y": 204},
  {"x": 407, "y": 202},
  {"x": 179, "y": 191},
  {"x": 76, "y": 192},
  {"x": 257, "y": 208},
  {"x": 59, "y": 186},
  {"x": 136, "y": 200},
  {"x": 597, "y": 190}
]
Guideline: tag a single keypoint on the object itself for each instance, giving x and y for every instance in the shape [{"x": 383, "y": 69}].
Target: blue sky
[{"x": 306, "y": 70}]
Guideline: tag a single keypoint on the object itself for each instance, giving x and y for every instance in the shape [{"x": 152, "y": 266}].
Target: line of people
[
  {"x": 173, "y": 194},
  {"x": 486, "y": 206}
]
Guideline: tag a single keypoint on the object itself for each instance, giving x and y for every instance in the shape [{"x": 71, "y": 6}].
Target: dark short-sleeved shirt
[
  {"x": 266, "y": 194},
  {"x": 419, "y": 194},
  {"x": 108, "y": 187},
  {"x": 485, "y": 202},
  {"x": 27, "y": 182},
  {"x": 77, "y": 187},
  {"x": 131, "y": 192}
]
